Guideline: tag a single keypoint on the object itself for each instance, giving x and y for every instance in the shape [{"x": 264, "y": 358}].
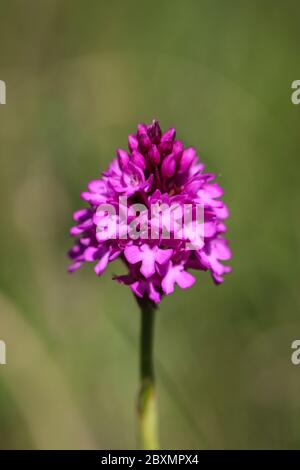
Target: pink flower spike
[{"x": 160, "y": 177}]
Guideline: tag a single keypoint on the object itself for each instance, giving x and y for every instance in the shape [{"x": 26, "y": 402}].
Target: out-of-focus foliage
[{"x": 80, "y": 75}]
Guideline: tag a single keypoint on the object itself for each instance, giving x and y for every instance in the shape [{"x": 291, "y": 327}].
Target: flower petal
[
  {"x": 101, "y": 266},
  {"x": 132, "y": 254},
  {"x": 162, "y": 256},
  {"x": 185, "y": 280}
]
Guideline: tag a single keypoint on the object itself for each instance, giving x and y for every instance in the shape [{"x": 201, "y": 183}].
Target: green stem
[{"x": 147, "y": 413}]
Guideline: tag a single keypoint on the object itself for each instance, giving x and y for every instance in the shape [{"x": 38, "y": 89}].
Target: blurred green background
[{"x": 80, "y": 75}]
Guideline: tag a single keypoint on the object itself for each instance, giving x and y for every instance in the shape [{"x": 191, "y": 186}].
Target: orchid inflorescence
[{"x": 157, "y": 170}]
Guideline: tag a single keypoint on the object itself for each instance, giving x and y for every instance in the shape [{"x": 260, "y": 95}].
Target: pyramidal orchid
[{"x": 157, "y": 210}]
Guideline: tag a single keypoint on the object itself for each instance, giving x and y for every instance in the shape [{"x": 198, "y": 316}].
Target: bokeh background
[{"x": 80, "y": 75}]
